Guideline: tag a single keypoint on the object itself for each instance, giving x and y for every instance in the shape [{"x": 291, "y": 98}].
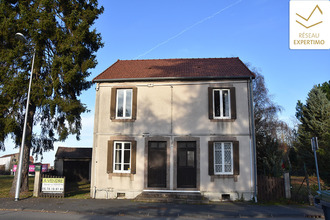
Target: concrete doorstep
[{"x": 181, "y": 198}]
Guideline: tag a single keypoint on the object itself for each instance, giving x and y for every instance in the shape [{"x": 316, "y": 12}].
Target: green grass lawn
[
  {"x": 73, "y": 190},
  {"x": 5, "y": 185}
]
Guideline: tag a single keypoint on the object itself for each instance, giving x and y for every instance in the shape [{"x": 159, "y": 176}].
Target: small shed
[{"x": 73, "y": 162}]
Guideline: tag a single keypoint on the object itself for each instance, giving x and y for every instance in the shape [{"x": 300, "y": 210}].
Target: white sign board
[{"x": 52, "y": 185}]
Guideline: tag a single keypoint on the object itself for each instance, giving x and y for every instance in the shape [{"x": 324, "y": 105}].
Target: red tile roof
[{"x": 162, "y": 69}]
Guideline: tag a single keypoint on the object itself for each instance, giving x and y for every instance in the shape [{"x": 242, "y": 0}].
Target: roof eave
[{"x": 171, "y": 78}]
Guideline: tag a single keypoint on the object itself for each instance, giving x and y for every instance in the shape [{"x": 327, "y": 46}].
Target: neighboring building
[
  {"x": 7, "y": 162},
  {"x": 174, "y": 125},
  {"x": 73, "y": 162}
]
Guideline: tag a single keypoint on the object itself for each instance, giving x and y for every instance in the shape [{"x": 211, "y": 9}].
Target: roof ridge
[
  {"x": 203, "y": 58},
  {"x": 73, "y": 147}
]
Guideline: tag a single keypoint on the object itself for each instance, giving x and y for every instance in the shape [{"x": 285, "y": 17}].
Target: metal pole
[
  {"x": 317, "y": 171},
  {"x": 315, "y": 147},
  {"x": 310, "y": 197},
  {"x": 19, "y": 174}
]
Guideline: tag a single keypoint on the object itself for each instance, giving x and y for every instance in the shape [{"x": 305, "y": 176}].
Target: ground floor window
[
  {"x": 122, "y": 157},
  {"x": 223, "y": 158}
]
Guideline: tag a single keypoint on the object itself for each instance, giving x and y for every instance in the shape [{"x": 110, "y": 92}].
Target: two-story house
[{"x": 174, "y": 125}]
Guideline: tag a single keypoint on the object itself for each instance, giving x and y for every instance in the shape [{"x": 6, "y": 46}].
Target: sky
[{"x": 256, "y": 31}]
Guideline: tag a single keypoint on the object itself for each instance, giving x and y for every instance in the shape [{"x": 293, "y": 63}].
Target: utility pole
[{"x": 315, "y": 147}]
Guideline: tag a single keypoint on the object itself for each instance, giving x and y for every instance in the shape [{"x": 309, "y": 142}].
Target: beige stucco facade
[{"x": 173, "y": 111}]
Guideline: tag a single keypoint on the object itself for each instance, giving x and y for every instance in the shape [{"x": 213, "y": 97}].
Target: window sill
[
  {"x": 223, "y": 120},
  {"x": 219, "y": 176},
  {"x": 121, "y": 174},
  {"x": 110, "y": 175},
  {"x": 122, "y": 120}
]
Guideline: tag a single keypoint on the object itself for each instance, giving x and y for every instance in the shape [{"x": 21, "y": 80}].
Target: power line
[{"x": 187, "y": 29}]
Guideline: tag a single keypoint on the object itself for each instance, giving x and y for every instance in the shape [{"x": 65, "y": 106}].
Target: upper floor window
[
  {"x": 124, "y": 104},
  {"x": 222, "y": 103}
]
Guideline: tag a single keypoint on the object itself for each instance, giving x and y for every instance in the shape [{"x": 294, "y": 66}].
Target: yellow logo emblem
[{"x": 316, "y": 7}]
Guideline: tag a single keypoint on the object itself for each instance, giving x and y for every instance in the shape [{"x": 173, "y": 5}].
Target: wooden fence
[{"x": 270, "y": 188}]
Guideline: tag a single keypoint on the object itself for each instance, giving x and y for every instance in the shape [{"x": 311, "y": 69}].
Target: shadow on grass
[{"x": 77, "y": 189}]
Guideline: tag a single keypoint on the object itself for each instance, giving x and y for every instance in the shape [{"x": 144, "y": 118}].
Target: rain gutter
[
  {"x": 170, "y": 78},
  {"x": 253, "y": 141}
]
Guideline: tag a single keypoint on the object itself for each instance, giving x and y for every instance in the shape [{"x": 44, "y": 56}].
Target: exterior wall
[
  {"x": 58, "y": 164},
  {"x": 6, "y": 162},
  {"x": 15, "y": 160},
  {"x": 73, "y": 168},
  {"x": 9, "y": 161},
  {"x": 174, "y": 111}
]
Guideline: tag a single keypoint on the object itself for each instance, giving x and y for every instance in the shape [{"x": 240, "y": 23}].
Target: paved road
[
  {"x": 29, "y": 215},
  {"x": 41, "y": 208}
]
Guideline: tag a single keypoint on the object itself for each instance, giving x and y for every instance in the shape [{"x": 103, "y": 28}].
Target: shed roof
[
  {"x": 73, "y": 153},
  {"x": 9, "y": 155},
  {"x": 168, "y": 69}
]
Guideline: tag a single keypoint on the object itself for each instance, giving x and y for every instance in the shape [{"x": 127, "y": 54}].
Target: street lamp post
[{"x": 19, "y": 174}]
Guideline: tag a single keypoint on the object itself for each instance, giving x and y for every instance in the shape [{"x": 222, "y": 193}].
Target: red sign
[
  {"x": 31, "y": 168},
  {"x": 44, "y": 168}
]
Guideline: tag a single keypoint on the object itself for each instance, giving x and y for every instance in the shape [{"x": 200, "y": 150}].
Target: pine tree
[
  {"x": 60, "y": 32},
  {"x": 315, "y": 122},
  {"x": 325, "y": 87}
]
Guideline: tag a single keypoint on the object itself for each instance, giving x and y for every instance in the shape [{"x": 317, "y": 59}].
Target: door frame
[
  {"x": 168, "y": 152},
  {"x": 175, "y": 162},
  {"x": 186, "y": 174},
  {"x": 157, "y": 176}
]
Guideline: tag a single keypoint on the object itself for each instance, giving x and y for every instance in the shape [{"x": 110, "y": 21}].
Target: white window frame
[
  {"x": 223, "y": 158},
  {"x": 221, "y": 104},
  {"x": 121, "y": 170},
  {"x": 124, "y": 104}
]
